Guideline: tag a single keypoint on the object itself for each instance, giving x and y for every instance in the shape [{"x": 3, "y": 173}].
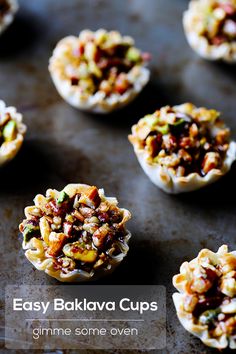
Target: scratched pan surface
[{"x": 64, "y": 145}]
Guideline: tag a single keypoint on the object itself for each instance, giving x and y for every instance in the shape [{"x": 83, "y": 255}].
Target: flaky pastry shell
[
  {"x": 162, "y": 176},
  {"x": 98, "y": 102},
  {"x": 225, "y": 51},
  {"x": 172, "y": 184},
  {"x": 9, "y": 149},
  {"x": 226, "y": 261},
  {"x": 35, "y": 248}
]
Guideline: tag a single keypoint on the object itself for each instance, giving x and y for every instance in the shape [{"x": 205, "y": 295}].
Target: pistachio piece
[
  {"x": 94, "y": 69},
  {"x": 30, "y": 231},
  {"x": 9, "y": 131},
  {"x": 63, "y": 196},
  {"x": 164, "y": 129},
  {"x": 209, "y": 316},
  {"x": 151, "y": 120},
  {"x": 76, "y": 250},
  {"x": 133, "y": 54}
]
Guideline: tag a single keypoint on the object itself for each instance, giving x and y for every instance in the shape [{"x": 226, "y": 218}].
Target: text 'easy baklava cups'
[
  {"x": 75, "y": 235},
  {"x": 8, "y": 9},
  {"x": 210, "y": 28},
  {"x": 12, "y": 132},
  {"x": 183, "y": 148},
  {"x": 206, "y": 301},
  {"x": 98, "y": 71}
]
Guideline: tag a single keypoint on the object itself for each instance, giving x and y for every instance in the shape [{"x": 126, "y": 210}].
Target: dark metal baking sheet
[{"x": 64, "y": 145}]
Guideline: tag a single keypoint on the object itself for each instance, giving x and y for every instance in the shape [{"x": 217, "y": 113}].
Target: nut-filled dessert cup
[
  {"x": 210, "y": 28},
  {"x": 75, "y": 235},
  {"x": 183, "y": 148},
  {"x": 98, "y": 71},
  {"x": 206, "y": 297},
  {"x": 12, "y": 131}
]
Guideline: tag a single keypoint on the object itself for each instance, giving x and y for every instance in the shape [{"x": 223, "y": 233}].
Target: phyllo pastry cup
[
  {"x": 206, "y": 301},
  {"x": 8, "y": 9},
  {"x": 183, "y": 148},
  {"x": 12, "y": 132},
  {"x": 210, "y": 28},
  {"x": 98, "y": 71},
  {"x": 75, "y": 235}
]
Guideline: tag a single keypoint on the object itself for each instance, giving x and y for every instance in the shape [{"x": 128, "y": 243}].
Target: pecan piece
[
  {"x": 100, "y": 235},
  {"x": 91, "y": 198},
  {"x": 56, "y": 243},
  {"x": 210, "y": 161},
  {"x": 78, "y": 215}
]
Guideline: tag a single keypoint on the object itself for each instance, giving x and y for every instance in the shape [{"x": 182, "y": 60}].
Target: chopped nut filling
[
  {"x": 101, "y": 61},
  {"x": 216, "y": 21},
  {"x": 208, "y": 285},
  {"x": 184, "y": 139},
  {"x": 80, "y": 228}
]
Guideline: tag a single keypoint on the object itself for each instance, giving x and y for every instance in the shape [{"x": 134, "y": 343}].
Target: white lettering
[
  {"x": 19, "y": 305},
  {"x": 128, "y": 305},
  {"x": 122, "y": 304}
]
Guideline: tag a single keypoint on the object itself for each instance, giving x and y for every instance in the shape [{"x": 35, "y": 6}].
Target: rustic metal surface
[{"x": 64, "y": 145}]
